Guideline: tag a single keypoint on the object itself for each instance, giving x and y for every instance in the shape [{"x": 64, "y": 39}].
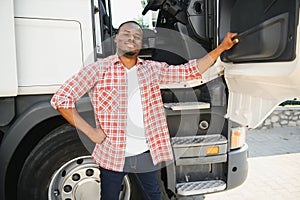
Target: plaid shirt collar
[{"x": 115, "y": 59}]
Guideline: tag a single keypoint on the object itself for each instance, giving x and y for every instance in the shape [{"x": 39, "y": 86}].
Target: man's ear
[{"x": 115, "y": 38}]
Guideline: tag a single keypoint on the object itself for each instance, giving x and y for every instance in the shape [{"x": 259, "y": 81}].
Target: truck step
[
  {"x": 187, "y": 105},
  {"x": 201, "y": 140},
  {"x": 202, "y": 149},
  {"x": 200, "y": 187}
]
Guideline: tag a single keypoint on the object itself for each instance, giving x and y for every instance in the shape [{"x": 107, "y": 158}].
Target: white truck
[{"x": 44, "y": 42}]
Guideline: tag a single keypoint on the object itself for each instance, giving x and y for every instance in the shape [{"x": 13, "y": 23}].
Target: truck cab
[{"x": 45, "y": 42}]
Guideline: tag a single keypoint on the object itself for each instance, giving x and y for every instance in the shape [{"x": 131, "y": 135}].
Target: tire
[{"x": 60, "y": 167}]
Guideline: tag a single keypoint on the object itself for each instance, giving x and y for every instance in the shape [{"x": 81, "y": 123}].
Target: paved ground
[{"x": 274, "y": 167}]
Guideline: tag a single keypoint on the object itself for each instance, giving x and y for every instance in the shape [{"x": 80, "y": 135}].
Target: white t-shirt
[{"x": 135, "y": 134}]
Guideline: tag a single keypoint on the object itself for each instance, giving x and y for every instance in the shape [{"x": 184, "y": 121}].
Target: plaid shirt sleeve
[
  {"x": 75, "y": 87},
  {"x": 178, "y": 73}
]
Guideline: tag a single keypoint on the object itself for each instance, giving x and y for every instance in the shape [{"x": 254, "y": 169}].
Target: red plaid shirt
[{"x": 106, "y": 82}]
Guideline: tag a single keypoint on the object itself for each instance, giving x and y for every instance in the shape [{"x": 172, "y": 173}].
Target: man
[{"x": 131, "y": 133}]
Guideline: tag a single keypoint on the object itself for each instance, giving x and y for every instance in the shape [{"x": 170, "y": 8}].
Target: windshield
[{"x": 126, "y": 10}]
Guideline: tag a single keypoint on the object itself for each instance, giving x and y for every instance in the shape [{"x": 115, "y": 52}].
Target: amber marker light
[
  {"x": 212, "y": 150},
  {"x": 238, "y": 137}
]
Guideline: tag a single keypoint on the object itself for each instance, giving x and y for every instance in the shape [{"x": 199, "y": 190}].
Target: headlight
[{"x": 238, "y": 137}]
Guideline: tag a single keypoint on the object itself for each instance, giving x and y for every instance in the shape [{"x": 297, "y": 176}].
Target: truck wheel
[{"x": 59, "y": 167}]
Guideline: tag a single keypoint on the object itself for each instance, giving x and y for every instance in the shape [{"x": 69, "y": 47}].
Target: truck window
[{"x": 126, "y": 10}]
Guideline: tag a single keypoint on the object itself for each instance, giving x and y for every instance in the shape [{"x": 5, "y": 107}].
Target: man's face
[{"x": 129, "y": 40}]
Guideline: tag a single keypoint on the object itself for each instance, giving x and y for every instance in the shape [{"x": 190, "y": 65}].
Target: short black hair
[{"x": 128, "y": 22}]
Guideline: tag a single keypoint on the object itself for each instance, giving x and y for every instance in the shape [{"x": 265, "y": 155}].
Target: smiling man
[{"x": 131, "y": 133}]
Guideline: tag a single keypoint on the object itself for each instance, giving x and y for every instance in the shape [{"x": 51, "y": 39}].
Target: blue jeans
[{"x": 111, "y": 181}]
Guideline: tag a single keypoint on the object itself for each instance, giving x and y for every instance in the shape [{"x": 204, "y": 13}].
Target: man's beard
[{"x": 129, "y": 53}]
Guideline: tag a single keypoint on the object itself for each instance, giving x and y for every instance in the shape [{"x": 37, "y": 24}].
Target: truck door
[{"x": 263, "y": 69}]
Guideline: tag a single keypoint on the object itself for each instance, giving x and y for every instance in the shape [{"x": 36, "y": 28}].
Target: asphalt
[{"x": 274, "y": 167}]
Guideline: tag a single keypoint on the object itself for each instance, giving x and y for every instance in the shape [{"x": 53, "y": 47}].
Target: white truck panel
[
  {"x": 8, "y": 68},
  {"x": 48, "y": 51},
  {"x": 50, "y": 38}
]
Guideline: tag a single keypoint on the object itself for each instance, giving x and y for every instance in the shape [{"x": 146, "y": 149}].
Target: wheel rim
[{"x": 79, "y": 179}]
